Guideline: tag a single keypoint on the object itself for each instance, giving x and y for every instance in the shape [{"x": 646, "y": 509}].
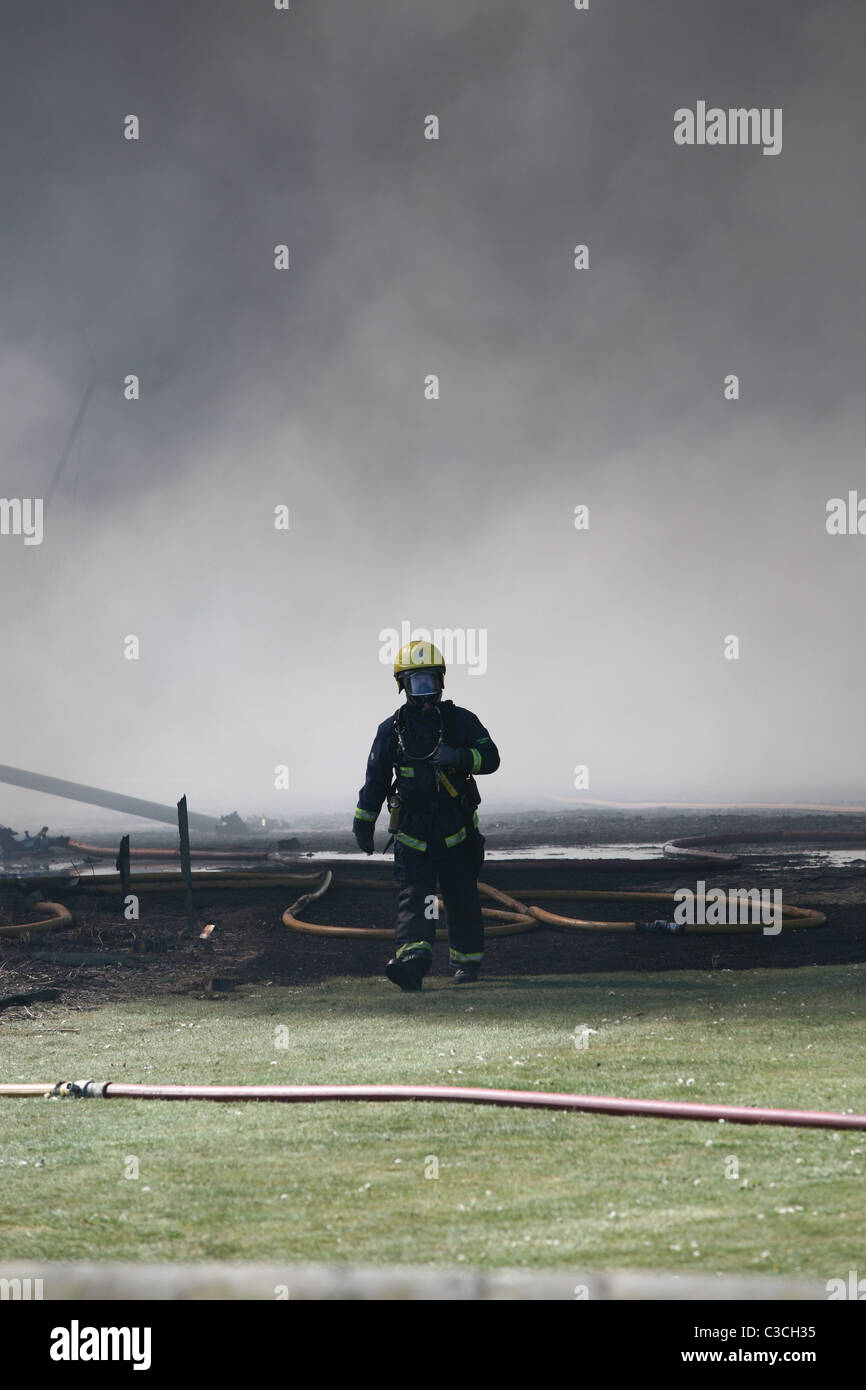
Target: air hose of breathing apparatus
[{"x": 467, "y": 797}]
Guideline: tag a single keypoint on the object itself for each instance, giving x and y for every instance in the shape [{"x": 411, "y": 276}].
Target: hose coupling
[
  {"x": 81, "y": 1089},
  {"x": 659, "y": 925}
]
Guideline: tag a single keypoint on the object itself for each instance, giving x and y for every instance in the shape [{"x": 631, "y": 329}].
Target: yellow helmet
[
  {"x": 418, "y": 656},
  {"x": 420, "y": 673}
]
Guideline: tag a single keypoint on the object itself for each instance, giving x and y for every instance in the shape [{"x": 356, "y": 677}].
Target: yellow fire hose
[
  {"x": 60, "y": 917},
  {"x": 522, "y": 918},
  {"x": 511, "y": 918},
  {"x": 504, "y": 923},
  {"x": 790, "y": 916},
  {"x": 167, "y": 881}
]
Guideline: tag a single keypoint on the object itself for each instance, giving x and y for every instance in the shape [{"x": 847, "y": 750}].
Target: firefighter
[{"x": 423, "y": 761}]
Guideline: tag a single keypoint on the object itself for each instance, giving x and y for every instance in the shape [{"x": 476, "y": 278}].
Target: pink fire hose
[{"x": 466, "y": 1095}]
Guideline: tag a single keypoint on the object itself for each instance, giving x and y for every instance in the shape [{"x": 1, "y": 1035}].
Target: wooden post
[
  {"x": 185, "y": 861},
  {"x": 121, "y": 863}
]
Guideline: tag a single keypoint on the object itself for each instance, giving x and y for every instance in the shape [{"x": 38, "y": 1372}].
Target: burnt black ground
[{"x": 250, "y": 944}]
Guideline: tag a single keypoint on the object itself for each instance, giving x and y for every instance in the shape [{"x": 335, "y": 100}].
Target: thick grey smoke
[{"x": 559, "y": 387}]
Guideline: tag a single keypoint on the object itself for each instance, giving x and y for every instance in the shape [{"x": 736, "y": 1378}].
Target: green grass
[{"x": 347, "y": 1182}]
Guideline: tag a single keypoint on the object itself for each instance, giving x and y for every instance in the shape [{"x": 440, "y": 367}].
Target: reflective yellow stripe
[
  {"x": 406, "y": 771},
  {"x": 476, "y": 759},
  {"x": 410, "y": 842},
  {"x": 414, "y": 946},
  {"x": 452, "y": 840},
  {"x": 464, "y": 958},
  {"x": 360, "y": 814}
]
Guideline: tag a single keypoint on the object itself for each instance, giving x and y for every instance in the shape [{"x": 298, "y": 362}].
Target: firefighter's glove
[
  {"x": 452, "y": 757},
  {"x": 363, "y": 833}
]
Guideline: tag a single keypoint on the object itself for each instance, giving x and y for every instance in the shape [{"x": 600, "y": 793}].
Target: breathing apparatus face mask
[{"x": 423, "y": 687}]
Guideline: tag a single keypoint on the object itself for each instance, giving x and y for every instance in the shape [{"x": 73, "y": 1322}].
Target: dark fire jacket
[{"x": 430, "y": 816}]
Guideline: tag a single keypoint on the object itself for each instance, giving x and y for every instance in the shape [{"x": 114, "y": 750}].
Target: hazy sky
[{"x": 305, "y": 387}]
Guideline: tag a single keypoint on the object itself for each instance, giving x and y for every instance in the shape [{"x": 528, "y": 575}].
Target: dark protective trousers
[{"x": 456, "y": 871}]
